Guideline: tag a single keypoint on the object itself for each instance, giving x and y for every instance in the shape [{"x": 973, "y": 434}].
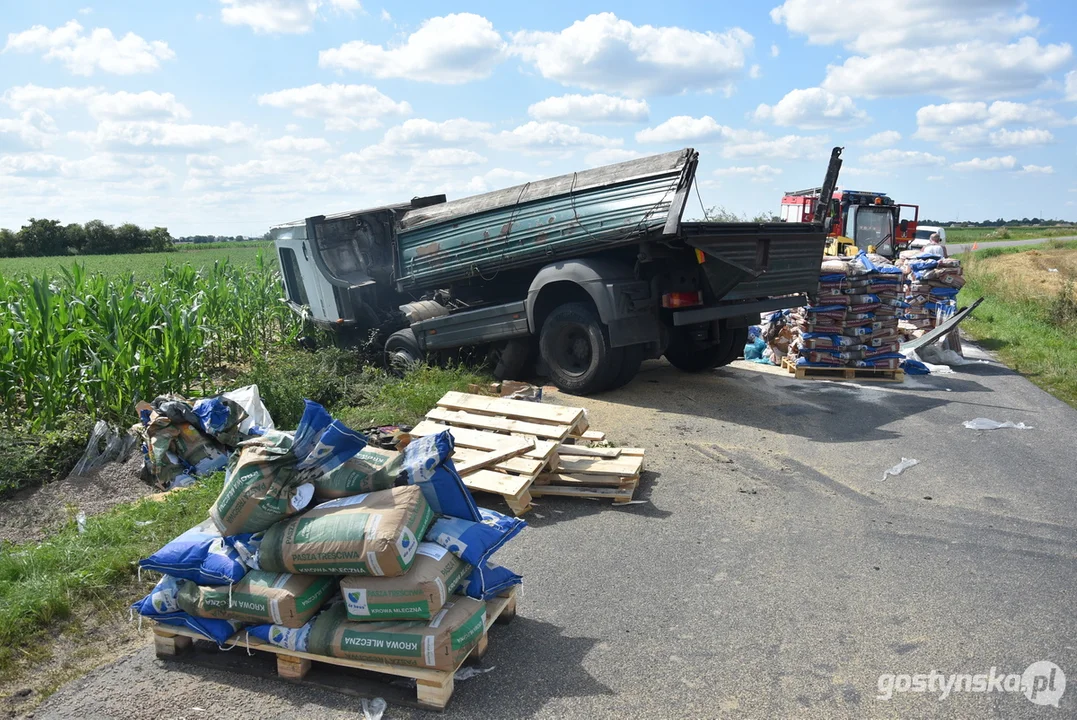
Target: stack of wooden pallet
[{"x": 520, "y": 450}]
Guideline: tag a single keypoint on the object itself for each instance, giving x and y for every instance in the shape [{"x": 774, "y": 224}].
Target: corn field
[{"x": 96, "y": 343}]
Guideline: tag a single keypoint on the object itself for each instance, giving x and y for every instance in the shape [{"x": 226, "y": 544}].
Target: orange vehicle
[{"x": 856, "y": 220}]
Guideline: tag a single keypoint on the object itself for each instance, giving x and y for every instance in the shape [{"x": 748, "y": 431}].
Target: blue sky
[{"x": 227, "y": 116}]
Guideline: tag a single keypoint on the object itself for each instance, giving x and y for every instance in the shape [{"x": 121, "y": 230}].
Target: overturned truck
[{"x": 588, "y": 274}]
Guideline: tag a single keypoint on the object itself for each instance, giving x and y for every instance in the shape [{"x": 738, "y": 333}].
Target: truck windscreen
[{"x": 874, "y": 226}]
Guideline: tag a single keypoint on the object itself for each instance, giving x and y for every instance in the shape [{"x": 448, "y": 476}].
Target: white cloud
[
  {"x": 84, "y": 54},
  {"x": 812, "y": 109},
  {"x": 497, "y": 179},
  {"x": 787, "y": 147},
  {"x": 609, "y": 156},
  {"x": 1071, "y": 85},
  {"x": 279, "y": 16},
  {"x": 590, "y": 108},
  {"x": 886, "y": 138},
  {"x": 895, "y": 157},
  {"x": 385, "y": 16},
  {"x": 85, "y": 10},
  {"x": 33, "y": 128},
  {"x": 1007, "y": 162},
  {"x": 453, "y": 49},
  {"x": 775, "y": 51},
  {"x": 755, "y": 72},
  {"x": 755, "y": 173},
  {"x": 449, "y": 157},
  {"x": 1038, "y": 169},
  {"x": 102, "y": 167},
  {"x": 537, "y": 136},
  {"x": 868, "y": 27},
  {"x": 342, "y": 107},
  {"x": 289, "y": 144},
  {"x": 977, "y": 124},
  {"x": 150, "y": 136},
  {"x": 684, "y": 128},
  {"x": 100, "y": 104},
  {"x": 31, "y": 164},
  {"x": 972, "y": 69},
  {"x": 607, "y": 54},
  {"x": 419, "y": 132},
  {"x": 934, "y": 178}
]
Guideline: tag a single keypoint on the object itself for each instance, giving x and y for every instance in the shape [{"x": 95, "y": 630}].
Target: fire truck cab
[{"x": 856, "y": 220}]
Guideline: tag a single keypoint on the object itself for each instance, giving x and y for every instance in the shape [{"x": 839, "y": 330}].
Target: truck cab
[{"x": 865, "y": 220}]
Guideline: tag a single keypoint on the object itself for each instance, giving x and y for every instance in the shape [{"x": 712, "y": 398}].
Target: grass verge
[
  {"x": 1034, "y": 335},
  {"x": 987, "y": 235},
  {"x": 43, "y": 585}
]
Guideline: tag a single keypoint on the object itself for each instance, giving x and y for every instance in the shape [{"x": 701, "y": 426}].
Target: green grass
[
  {"x": 960, "y": 236},
  {"x": 1035, "y": 337},
  {"x": 145, "y": 266},
  {"x": 361, "y": 396},
  {"x": 43, "y": 584}
]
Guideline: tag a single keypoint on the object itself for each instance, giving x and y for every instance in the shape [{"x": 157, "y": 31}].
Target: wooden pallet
[
  {"x": 434, "y": 688},
  {"x": 601, "y": 478},
  {"x": 802, "y": 372},
  {"x": 551, "y": 422},
  {"x": 511, "y": 477}
]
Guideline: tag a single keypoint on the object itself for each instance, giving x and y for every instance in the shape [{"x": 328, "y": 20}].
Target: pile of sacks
[
  {"x": 321, "y": 543},
  {"x": 854, "y": 322},
  {"x": 182, "y": 439},
  {"x": 930, "y": 287}
]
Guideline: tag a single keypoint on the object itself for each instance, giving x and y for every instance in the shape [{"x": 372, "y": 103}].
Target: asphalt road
[
  {"x": 956, "y": 248},
  {"x": 770, "y": 572}
]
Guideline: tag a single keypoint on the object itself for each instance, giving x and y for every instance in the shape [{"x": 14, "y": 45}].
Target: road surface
[
  {"x": 771, "y": 572},
  {"x": 956, "y": 248}
]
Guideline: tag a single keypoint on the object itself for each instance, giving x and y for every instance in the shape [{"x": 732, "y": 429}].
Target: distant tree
[
  {"x": 158, "y": 240},
  {"x": 42, "y": 237},
  {"x": 9, "y": 244},
  {"x": 100, "y": 238},
  {"x": 75, "y": 238}
]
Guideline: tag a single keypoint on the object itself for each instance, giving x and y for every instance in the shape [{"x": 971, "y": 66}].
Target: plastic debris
[
  {"x": 986, "y": 424},
  {"x": 470, "y": 671},
  {"x": 374, "y": 708},
  {"x": 105, "y": 445},
  {"x": 80, "y": 519},
  {"x": 1052, "y": 269},
  {"x": 901, "y": 467}
]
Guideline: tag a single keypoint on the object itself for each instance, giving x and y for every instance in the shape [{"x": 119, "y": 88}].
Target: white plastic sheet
[
  {"x": 901, "y": 467},
  {"x": 374, "y": 708},
  {"x": 250, "y": 400},
  {"x": 987, "y": 424}
]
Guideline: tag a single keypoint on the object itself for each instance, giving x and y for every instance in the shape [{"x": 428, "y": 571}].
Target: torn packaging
[
  {"x": 260, "y": 597},
  {"x": 268, "y": 477},
  {"x": 373, "y": 534},
  {"x": 441, "y": 644},
  {"x": 417, "y": 595}
]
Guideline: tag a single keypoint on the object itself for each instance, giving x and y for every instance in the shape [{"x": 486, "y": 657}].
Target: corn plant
[{"x": 96, "y": 343}]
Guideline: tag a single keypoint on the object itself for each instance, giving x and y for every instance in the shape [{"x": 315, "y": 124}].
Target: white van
[{"x": 924, "y": 233}]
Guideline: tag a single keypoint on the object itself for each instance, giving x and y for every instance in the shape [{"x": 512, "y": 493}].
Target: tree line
[
  {"x": 39, "y": 238},
  {"x": 996, "y": 223}
]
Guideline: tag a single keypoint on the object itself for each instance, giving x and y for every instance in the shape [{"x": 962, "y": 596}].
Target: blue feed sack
[
  {"x": 161, "y": 606},
  {"x": 475, "y": 542},
  {"x": 201, "y": 555},
  {"x": 427, "y": 464},
  {"x": 288, "y": 638},
  {"x": 489, "y": 581}
]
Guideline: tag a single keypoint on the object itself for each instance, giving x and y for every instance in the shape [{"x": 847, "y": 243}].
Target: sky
[{"x": 229, "y": 116}]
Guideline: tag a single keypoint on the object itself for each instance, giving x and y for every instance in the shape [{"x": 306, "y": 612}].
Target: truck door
[{"x": 304, "y": 285}]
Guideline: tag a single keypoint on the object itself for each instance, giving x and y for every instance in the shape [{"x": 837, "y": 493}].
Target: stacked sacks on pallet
[
  {"x": 931, "y": 285},
  {"x": 285, "y": 582},
  {"x": 854, "y": 321}
]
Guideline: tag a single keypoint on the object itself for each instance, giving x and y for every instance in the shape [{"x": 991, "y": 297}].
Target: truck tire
[
  {"x": 739, "y": 338},
  {"x": 512, "y": 359},
  {"x": 632, "y": 359},
  {"x": 402, "y": 352},
  {"x": 575, "y": 346}
]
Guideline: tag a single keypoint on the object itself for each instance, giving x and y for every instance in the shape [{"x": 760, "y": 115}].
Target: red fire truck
[{"x": 857, "y": 220}]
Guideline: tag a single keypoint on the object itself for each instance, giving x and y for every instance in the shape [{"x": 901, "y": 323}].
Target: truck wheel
[
  {"x": 633, "y": 358},
  {"x": 576, "y": 348},
  {"x": 739, "y": 338},
  {"x": 512, "y": 359},
  {"x": 402, "y": 352}
]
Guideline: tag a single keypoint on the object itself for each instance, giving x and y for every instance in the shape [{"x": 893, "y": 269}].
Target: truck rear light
[
  {"x": 682, "y": 299},
  {"x": 700, "y": 257}
]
